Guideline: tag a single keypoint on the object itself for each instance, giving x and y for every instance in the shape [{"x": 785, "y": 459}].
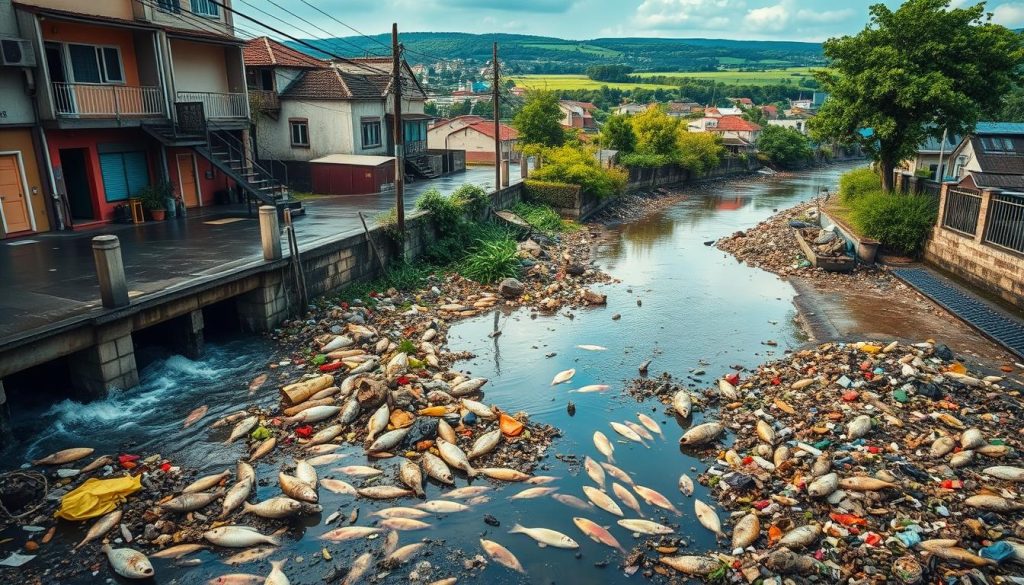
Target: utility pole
[
  {"x": 497, "y": 121},
  {"x": 399, "y": 130},
  {"x": 940, "y": 174}
]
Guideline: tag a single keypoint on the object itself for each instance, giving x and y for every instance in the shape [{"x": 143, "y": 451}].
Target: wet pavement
[{"x": 47, "y": 278}]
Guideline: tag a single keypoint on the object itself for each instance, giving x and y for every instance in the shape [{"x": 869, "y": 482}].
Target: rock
[
  {"x": 592, "y": 298},
  {"x": 530, "y": 248},
  {"x": 491, "y": 520},
  {"x": 511, "y": 288},
  {"x": 575, "y": 269}
]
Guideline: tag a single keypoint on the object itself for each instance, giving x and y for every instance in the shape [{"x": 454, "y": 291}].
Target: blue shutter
[
  {"x": 114, "y": 184},
  {"x": 136, "y": 171}
]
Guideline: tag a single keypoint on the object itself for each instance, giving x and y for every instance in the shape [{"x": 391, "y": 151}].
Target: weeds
[
  {"x": 492, "y": 260},
  {"x": 407, "y": 346},
  {"x": 544, "y": 218},
  {"x": 857, "y": 183}
]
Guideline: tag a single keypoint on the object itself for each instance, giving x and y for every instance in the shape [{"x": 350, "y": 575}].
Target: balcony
[
  {"x": 217, "y": 105},
  {"x": 264, "y": 100},
  {"x": 94, "y": 100}
]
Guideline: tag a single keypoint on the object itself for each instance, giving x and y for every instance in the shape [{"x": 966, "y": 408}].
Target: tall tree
[
  {"x": 919, "y": 69},
  {"x": 617, "y": 134},
  {"x": 655, "y": 132},
  {"x": 784, "y": 147},
  {"x": 540, "y": 120}
]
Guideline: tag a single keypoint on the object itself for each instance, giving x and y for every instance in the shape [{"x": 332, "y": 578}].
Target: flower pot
[{"x": 158, "y": 214}]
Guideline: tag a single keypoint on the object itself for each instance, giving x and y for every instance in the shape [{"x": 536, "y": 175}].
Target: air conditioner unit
[{"x": 16, "y": 53}]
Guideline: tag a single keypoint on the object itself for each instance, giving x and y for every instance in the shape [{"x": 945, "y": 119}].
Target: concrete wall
[
  {"x": 113, "y": 8},
  {"x": 985, "y": 266},
  {"x": 199, "y": 67},
  {"x": 330, "y": 130},
  {"x": 369, "y": 110}
]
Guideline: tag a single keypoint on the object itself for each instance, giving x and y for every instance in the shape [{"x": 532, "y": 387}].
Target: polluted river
[{"x": 675, "y": 304}]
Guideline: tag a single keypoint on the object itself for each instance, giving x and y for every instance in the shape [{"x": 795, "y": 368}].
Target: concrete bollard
[
  {"x": 106, "y": 252},
  {"x": 524, "y": 167},
  {"x": 270, "y": 233},
  {"x": 504, "y": 172}
]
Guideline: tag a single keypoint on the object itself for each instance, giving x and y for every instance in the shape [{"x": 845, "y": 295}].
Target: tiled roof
[
  {"x": 487, "y": 129},
  {"x": 265, "y": 52},
  {"x": 364, "y": 86},
  {"x": 318, "y": 84},
  {"x": 999, "y": 181},
  {"x": 734, "y": 124},
  {"x": 1003, "y": 163}
]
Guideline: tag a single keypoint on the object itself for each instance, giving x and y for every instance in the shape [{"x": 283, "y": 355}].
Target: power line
[{"x": 328, "y": 40}]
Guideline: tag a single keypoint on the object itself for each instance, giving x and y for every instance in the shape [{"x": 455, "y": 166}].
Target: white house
[{"x": 799, "y": 124}]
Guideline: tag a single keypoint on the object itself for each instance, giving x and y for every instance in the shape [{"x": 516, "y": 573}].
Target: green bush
[
  {"x": 579, "y": 166},
  {"x": 899, "y": 222},
  {"x": 474, "y": 199},
  {"x": 155, "y": 196},
  {"x": 388, "y": 221},
  {"x": 542, "y": 217},
  {"x": 557, "y": 195},
  {"x": 492, "y": 260},
  {"x": 446, "y": 211},
  {"x": 644, "y": 160},
  {"x": 858, "y": 182}
]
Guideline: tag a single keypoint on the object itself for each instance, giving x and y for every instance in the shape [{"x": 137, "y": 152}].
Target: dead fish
[
  {"x": 236, "y": 496},
  {"x": 644, "y": 527},
  {"x": 649, "y": 422},
  {"x": 563, "y": 377},
  {"x": 326, "y": 459},
  {"x": 65, "y": 456},
  {"x": 403, "y": 554},
  {"x": 389, "y": 440},
  {"x": 707, "y": 517},
  {"x": 397, "y": 365},
  {"x": 781, "y": 454},
  {"x": 390, "y": 543},
  {"x": 942, "y": 549},
  {"x": 358, "y": 470},
  {"x": 591, "y": 388},
  {"x": 504, "y": 474},
  {"x": 542, "y": 479},
  {"x": 686, "y": 485},
  {"x": 338, "y": 487},
  {"x": 604, "y": 446},
  {"x": 242, "y": 428},
  {"x": 627, "y": 498},
  {"x": 358, "y": 569},
  {"x": 800, "y": 537},
  {"x": 765, "y": 432},
  {"x": 236, "y": 579},
  {"x": 655, "y": 498},
  {"x": 257, "y": 383},
  {"x": 858, "y": 427},
  {"x": 545, "y": 536},
  {"x": 994, "y": 450},
  {"x": 961, "y": 458},
  {"x": 405, "y": 524},
  {"x": 534, "y": 492},
  {"x": 601, "y": 500},
  {"x": 244, "y": 471},
  {"x": 191, "y": 502},
  {"x": 862, "y": 483},
  {"x": 409, "y": 474},
  {"x": 597, "y": 533},
  {"x": 325, "y": 435},
  {"x": 276, "y": 508},
  {"x": 1005, "y": 472},
  {"x": 265, "y": 446},
  {"x": 177, "y": 551},
  {"x": 573, "y": 501},
  {"x": 469, "y": 491},
  {"x": 485, "y": 443},
  {"x": 617, "y": 473},
  {"x": 100, "y": 527},
  {"x": 337, "y": 342},
  {"x": 627, "y": 433},
  {"x": 101, "y": 461},
  {"x": 588, "y": 347},
  {"x": 442, "y": 507},
  {"x": 436, "y": 468},
  {"x": 313, "y": 415},
  {"x": 822, "y": 465},
  {"x": 823, "y": 486},
  {"x": 640, "y": 430},
  {"x": 384, "y": 492},
  {"x": 350, "y": 411},
  {"x": 445, "y": 431},
  {"x": 691, "y": 564},
  {"x": 468, "y": 387},
  {"x": 350, "y": 533},
  {"x": 239, "y": 537},
  {"x": 297, "y": 489},
  {"x": 204, "y": 483},
  {"x": 992, "y": 503},
  {"x": 972, "y": 439},
  {"x": 595, "y": 471},
  {"x": 501, "y": 555},
  {"x": 682, "y": 402},
  {"x": 401, "y": 512},
  {"x": 746, "y": 531},
  {"x": 228, "y": 419},
  {"x": 378, "y": 422},
  {"x": 128, "y": 563},
  {"x": 478, "y": 408},
  {"x": 727, "y": 390},
  {"x": 786, "y": 562},
  {"x": 702, "y": 433},
  {"x": 194, "y": 416},
  {"x": 250, "y": 555},
  {"x": 455, "y": 457}
]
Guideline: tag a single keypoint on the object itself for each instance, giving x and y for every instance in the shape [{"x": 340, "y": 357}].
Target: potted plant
[{"x": 154, "y": 199}]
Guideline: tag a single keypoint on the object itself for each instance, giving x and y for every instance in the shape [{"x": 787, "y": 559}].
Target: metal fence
[
  {"x": 962, "y": 209},
  {"x": 218, "y": 105},
  {"x": 106, "y": 101},
  {"x": 1004, "y": 222}
]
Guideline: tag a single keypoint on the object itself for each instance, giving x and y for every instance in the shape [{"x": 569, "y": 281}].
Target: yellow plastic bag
[{"x": 96, "y": 497}]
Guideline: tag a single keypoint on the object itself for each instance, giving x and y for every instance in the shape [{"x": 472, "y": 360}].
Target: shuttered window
[
  {"x": 124, "y": 174},
  {"x": 205, "y": 8}
]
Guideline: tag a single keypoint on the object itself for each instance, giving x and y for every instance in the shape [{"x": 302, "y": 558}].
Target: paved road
[{"x": 49, "y": 277}]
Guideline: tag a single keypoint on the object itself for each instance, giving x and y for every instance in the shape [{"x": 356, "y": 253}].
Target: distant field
[
  {"x": 592, "y": 49},
  {"x": 772, "y": 76},
  {"x": 558, "y": 82}
]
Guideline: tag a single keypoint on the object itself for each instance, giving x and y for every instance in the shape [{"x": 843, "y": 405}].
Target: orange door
[
  {"x": 12, "y": 195},
  {"x": 187, "y": 178}
]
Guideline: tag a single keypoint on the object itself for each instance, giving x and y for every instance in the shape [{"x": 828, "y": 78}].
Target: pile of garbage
[
  {"x": 860, "y": 463},
  {"x": 772, "y": 246},
  {"x": 379, "y": 385}
]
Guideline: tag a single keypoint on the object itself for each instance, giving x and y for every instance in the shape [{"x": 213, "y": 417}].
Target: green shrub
[
  {"x": 446, "y": 211},
  {"x": 155, "y": 196},
  {"x": 388, "y": 221},
  {"x": 542, "y": 217},
  {"x": 557, "y": 195},
  {"x": 492, "y": 260},
  {"x": 899, "y": 222},
  {"x": 858, "y": 182},
  {"x": 644, "y": 160},
  {"x": 579, "y": 166},
  {"x": 474, "y": 199}
]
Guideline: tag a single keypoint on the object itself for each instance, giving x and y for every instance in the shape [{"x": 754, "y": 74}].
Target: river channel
[{"x": 684, "y": 305}]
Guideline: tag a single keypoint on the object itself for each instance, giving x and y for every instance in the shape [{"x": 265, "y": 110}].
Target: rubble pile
[{"x": 863, "y": 463}]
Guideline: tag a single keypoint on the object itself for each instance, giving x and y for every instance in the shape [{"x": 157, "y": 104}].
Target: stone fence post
[
  {"x": 986, "y": 200},
  {"x": 270, "y": 233},
  {"x": 106, "y": 253}
]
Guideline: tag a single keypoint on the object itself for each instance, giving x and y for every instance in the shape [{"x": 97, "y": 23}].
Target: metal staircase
[{"x": 421, "y": 167}]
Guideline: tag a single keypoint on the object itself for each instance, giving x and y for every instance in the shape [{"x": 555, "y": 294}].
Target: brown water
[{"x": 699, "y": 309}]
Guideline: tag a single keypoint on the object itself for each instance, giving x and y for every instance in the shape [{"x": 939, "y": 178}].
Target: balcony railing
[
  {"x": 216, "y": 105},
  {"x": 264, "y": 100},
  {"x": 94, "y": 100}
]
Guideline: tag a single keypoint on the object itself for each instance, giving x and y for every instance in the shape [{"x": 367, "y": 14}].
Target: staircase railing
[
  {"x": 260, "y": 183},
  {"x": 278, "y": 170}
]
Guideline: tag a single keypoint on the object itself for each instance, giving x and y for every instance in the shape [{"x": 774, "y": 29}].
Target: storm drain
[{"x": 996, "y": 324}]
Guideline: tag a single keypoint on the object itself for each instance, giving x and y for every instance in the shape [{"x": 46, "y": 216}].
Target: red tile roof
[
  {"x": 318, "y": 84},
  {"x": 770, "y": 108},
  {"x": 265, "y": 52},
  {"x": 487, "y": 129},
  {"x": 734, "y": 124}
]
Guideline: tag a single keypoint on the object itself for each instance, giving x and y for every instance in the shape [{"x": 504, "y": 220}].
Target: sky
[{"x": 790, "y": 20}]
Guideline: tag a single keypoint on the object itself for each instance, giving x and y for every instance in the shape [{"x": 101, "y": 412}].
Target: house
[
  {"x": 475, "y": 137},
  {"x": 742, "y": 103},
  {"x": 130, "y": 93},
  {"x": 310, "y": 109},
  {"x": 770, "y": 111},
  {"x": 926, "y": 160},
  {"x": 578, "y": 115},
  {"x": 738, "y": 135},
  {"x": 681, "y": 109},
  {"x": 798, "y": 124},
  {"x": 713, "y": 112},
  {"x": 630, "y": 109},
  {"x": 992, "y": 157}
]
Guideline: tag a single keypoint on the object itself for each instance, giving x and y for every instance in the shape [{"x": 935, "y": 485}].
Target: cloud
[
  {"x": 686, "y": 14},
  {"x": 769, "y": 18},
  {"x": 1010, "y": 14},
  {"x": 825, "y": 17},
  {"x": 543, "y": 6}
]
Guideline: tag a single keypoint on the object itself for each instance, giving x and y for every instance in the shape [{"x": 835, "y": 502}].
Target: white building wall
[
  {"x": 367, "y": 109},
  {"x": 329, "y": 130},
  {"x": 798, "y": 125}
]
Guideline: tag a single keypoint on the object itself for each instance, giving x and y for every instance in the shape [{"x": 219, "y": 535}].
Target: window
[
  {"x": 300, "y": 132},
  {"x": 205, "y": 8},
  {"x": 997, "y": 144},
  {"x": 91, "y": 64},
  {"x": 371, "y": 133},
  {"x": 124, "y": 174},
  {"x": 169, "y": 5}
]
